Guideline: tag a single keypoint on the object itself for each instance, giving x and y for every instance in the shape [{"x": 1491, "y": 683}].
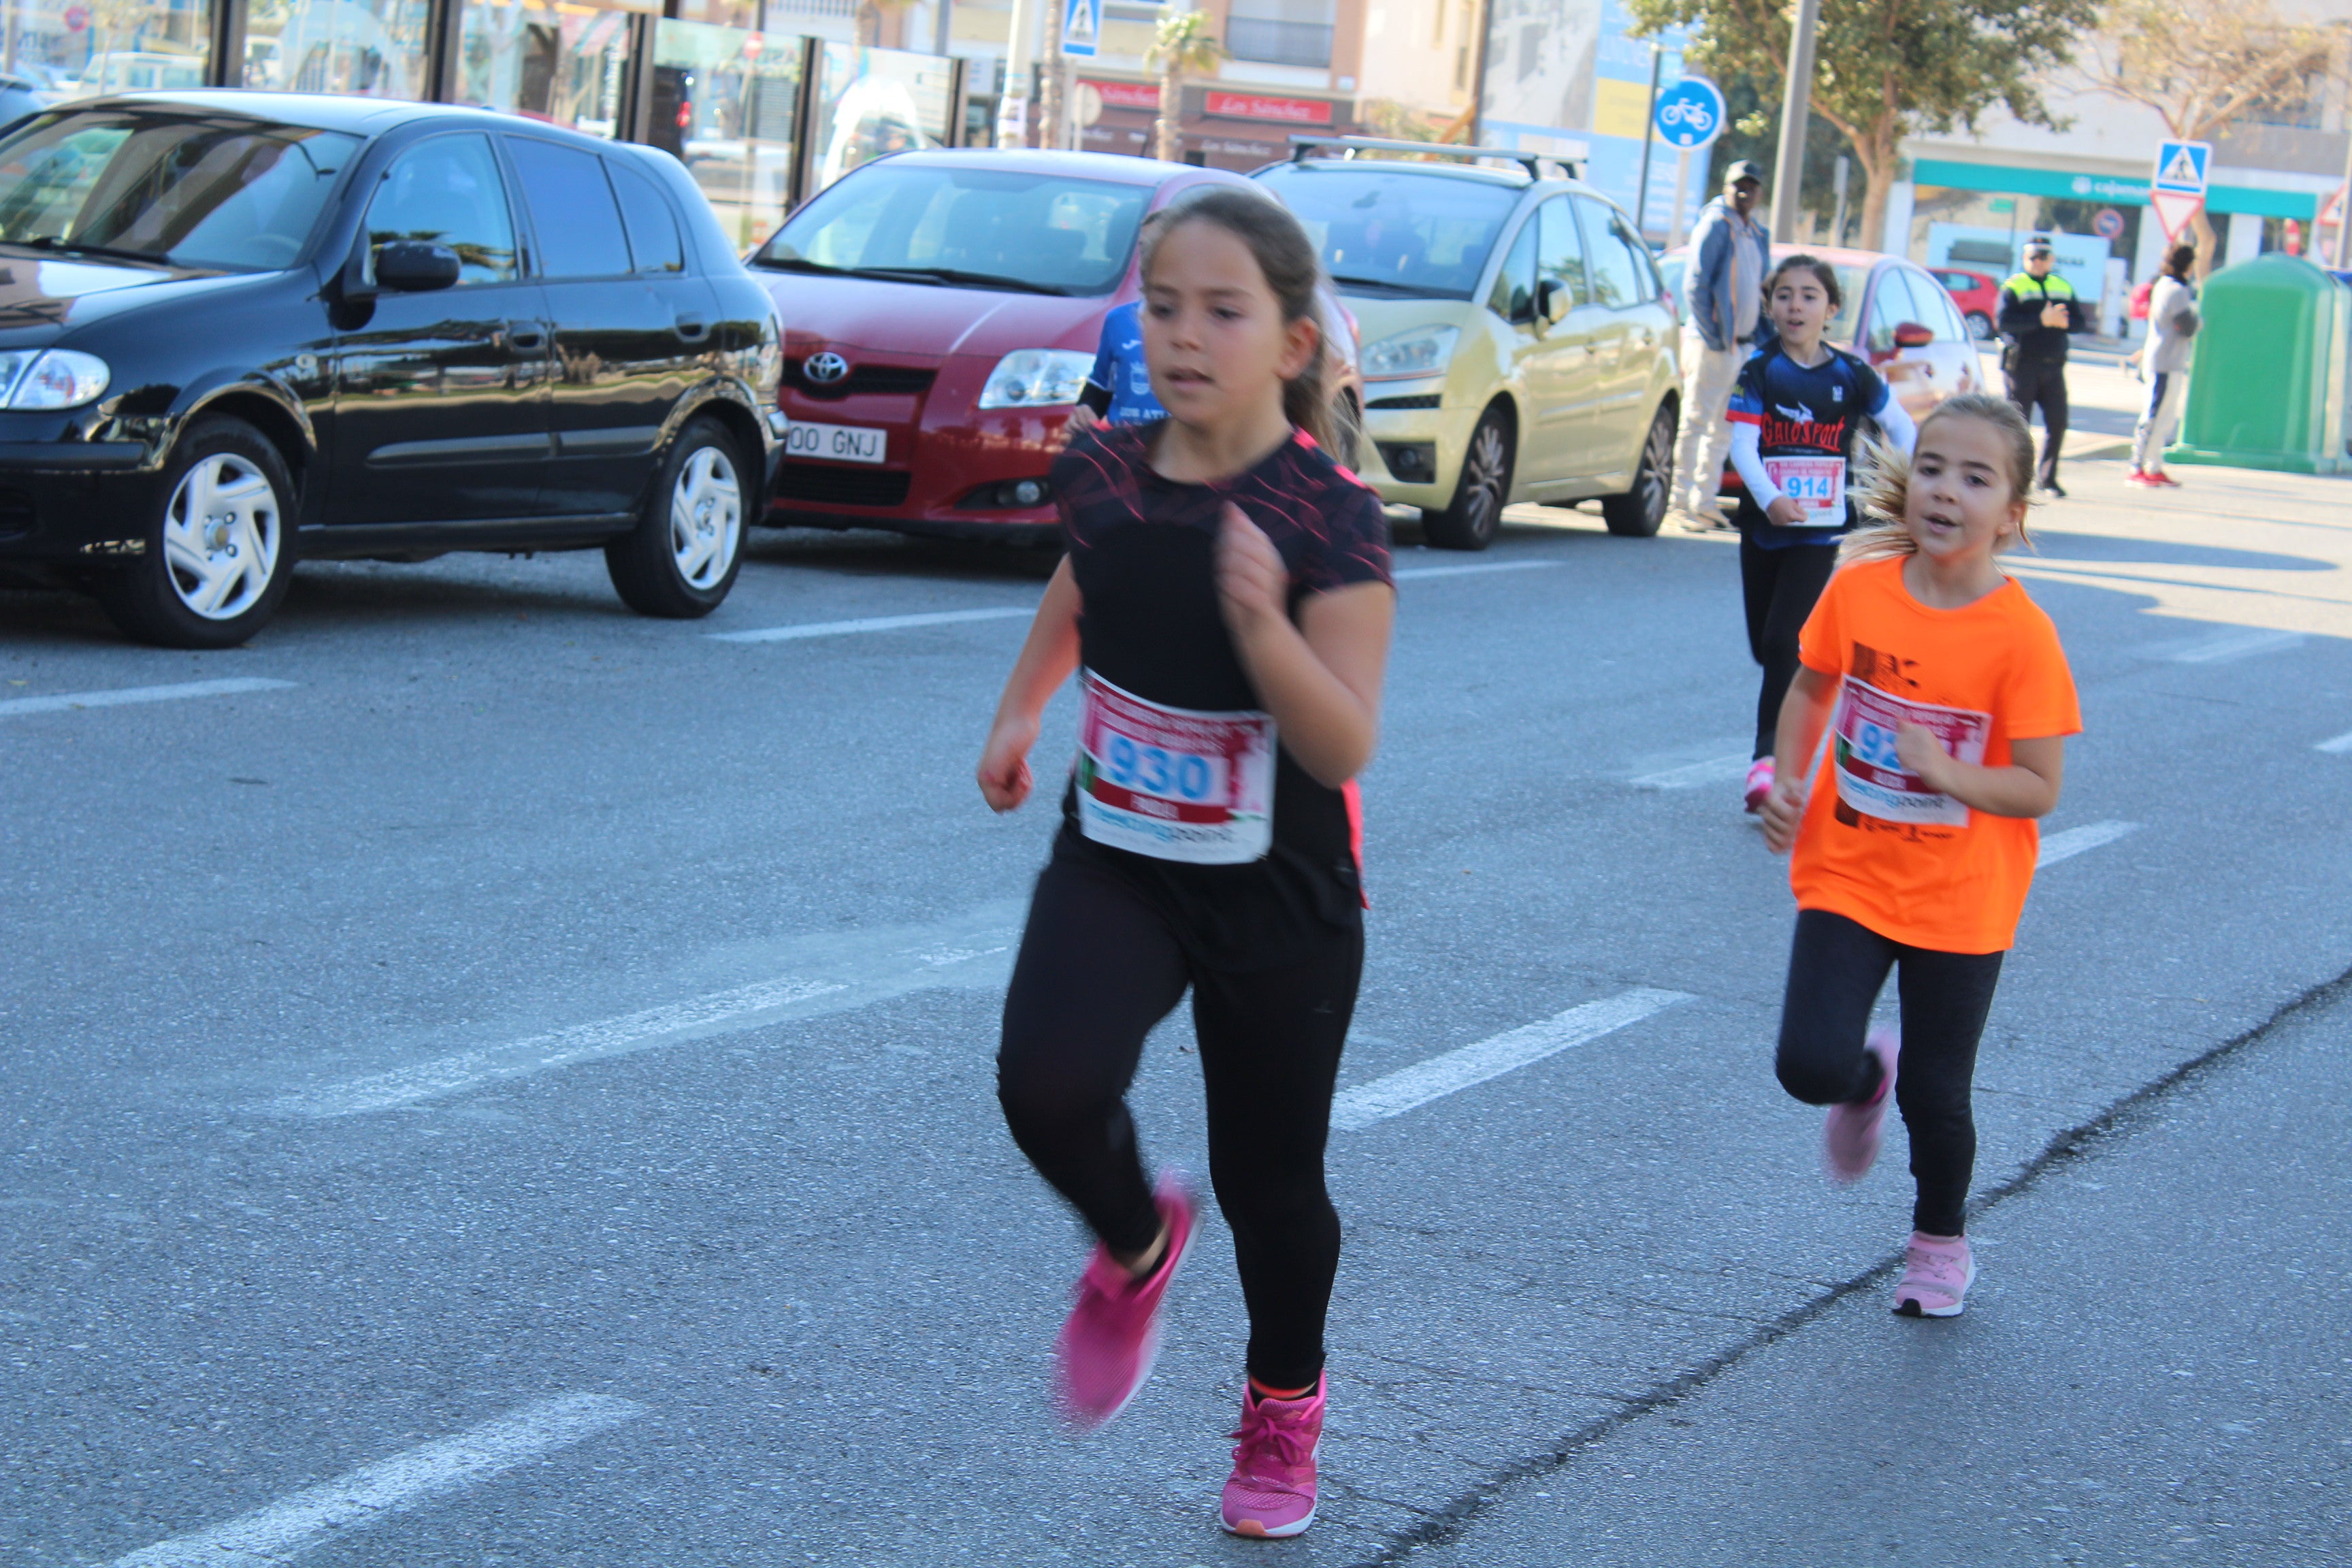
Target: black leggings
[
  {"x": 2042, "y": 383},
  {"x": 1780, "y": 587},
  {"x": 1099, "y": 965},
  {"x": 1835, "y": 971}
]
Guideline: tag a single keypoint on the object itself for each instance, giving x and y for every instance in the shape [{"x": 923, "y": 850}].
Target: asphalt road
[{"x": 520, "y": 1092}]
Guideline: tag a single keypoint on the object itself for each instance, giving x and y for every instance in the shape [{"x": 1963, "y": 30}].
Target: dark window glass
[
  {"x": 571, "y": 210},
  {"x": 199, "y": 190},
  {"x": 447, "y": 190},
  {"x": 1400, "y": 232},
  {"x": 652, "y": 231},
  {"x": 1514, "y": 298},
  {"x": 1559, "y": 250},
  {"x": 1616, "y": 275}
]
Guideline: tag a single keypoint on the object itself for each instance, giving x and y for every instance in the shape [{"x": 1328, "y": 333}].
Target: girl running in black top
[
  {"x": 1227, "y": 603},
  {"x": 1794, "y": 414}
]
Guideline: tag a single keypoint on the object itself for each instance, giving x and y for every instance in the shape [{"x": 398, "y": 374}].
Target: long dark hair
[
  {"x": 2177, "y": 263},
  {"x": 1293, "y": 272}
]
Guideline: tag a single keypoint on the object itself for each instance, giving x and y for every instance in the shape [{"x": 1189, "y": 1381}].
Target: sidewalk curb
[{"x": 1450, "y": 1521}]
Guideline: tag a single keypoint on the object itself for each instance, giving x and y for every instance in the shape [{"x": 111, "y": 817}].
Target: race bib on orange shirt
[
  {"x": 1817, "y": 484},
  {"x": 1173, "y": 783},
  {"x": 1871, "y": 777}
]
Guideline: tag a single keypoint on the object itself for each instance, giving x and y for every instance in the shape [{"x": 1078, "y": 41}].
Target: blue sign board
[
  {"x": 1690, "y": 113},
  {"x": 2181, "y": 166},
  {"x": 1081, "y": 25}
]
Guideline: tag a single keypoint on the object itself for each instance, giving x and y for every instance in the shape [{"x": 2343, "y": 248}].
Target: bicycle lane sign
[{"x": 1690, "y": 113}]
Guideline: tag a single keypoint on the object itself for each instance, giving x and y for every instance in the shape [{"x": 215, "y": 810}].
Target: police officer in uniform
[{"x": 2038, "y": 311}]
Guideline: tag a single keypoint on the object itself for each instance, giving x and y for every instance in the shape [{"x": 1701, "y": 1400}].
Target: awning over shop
[{"x": 2072, "y": 185}]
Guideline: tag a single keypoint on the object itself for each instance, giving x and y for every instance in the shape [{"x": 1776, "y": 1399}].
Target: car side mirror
[
  {"x": 1551, "y": 300},
  {"x": 415, "y": 266},
  {"x": 1912, "y": 335}
]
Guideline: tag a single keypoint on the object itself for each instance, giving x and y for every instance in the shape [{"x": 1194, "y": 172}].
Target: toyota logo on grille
[{"x": 824, "y": 369}]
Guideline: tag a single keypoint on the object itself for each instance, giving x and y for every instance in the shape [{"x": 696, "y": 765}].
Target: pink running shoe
[
  {"x": 2159, "y": 476},
  {"x": 1759, "y": 783},
  {"x": 1271, "y": 1493},
  {"x": 1850, "y": 1138},
  {"x": 1937, "y": 1273},
  {"x": 2142, "y": 479},
  {"x": 1107, "y": 1347}
]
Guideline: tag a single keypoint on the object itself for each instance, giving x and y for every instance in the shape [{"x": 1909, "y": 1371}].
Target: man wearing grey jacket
[
  {"x": 1731, "y": 254},
  {"x": 2172, "y": 323}
]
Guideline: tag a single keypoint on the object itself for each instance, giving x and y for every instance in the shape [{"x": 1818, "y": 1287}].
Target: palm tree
[{"x": 1183, "y": 47}]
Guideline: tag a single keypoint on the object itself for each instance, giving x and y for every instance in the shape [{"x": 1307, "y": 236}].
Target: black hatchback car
[{"x": 237, "y": 329}]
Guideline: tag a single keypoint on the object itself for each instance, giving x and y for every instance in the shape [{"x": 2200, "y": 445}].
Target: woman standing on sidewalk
[
  {"x": 1951, "y": 702},
  {"x": 1227, "y": 603},
  {"x": 2172, "y": 322}
]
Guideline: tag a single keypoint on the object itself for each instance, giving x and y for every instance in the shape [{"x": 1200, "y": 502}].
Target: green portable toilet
[{"x": 2267, "y": 387}]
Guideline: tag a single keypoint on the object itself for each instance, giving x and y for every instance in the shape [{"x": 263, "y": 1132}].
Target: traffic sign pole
[
  {"x": 1649, "y": 139},
  {"x": 1796, "y": 103}
]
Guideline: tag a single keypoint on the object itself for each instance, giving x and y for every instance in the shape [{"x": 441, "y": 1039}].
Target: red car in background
[
  {"x": 1977, "y": 294},
  {"x": 942, "y": 309}
]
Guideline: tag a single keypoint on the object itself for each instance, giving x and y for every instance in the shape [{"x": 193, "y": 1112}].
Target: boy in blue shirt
[{"x": 1118, "y": 388}]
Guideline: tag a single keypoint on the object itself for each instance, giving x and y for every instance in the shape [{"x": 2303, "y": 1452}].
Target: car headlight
[
  {"x": 1424, "y": 350},
  {"x": 55, "y": 378},
  {"x": 1036, "y": 378}
]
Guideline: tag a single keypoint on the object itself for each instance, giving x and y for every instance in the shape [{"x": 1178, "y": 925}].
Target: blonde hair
[{"x": 1883, "y": 491}]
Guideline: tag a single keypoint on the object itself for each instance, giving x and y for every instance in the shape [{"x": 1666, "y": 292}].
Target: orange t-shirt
[{"x": 1877, "y": 845}]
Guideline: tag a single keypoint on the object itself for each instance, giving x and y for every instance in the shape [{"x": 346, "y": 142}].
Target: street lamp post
[
  {"x": 1796, "y": 102},
  {"x": 1649, "y": 139}
]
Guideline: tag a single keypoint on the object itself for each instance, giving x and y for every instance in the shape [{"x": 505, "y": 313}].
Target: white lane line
[
  {"x": 2090, "y": 835},
  {"x": 1414, "y": 574},
  {"x": 266, "y": 1537},
  {"x": 65, "y": 701},
  {"x": 836, "y": 975},
  {"x": 2232, "y": 646},
  {"x": 872, "y": 623},
  {"x": 1443, "y": 1075},
  {"x": 2337, "y": 747},
  {"x": 1715, "y": 770}
]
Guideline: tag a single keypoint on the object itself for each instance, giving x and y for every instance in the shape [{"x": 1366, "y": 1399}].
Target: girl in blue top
[{"x": 1794, "y": 413}]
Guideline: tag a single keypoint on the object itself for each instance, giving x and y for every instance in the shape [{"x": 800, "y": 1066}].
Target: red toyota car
[{"x": 941, "y": 310}]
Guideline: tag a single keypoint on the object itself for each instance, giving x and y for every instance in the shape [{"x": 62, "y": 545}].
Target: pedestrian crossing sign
[
  {"x": 1081, "y": 25},
  {"x": 2181, "y": 166}
]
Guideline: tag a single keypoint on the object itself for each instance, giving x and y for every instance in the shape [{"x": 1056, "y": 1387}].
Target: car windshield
[
  {"x": 1001, "y": 229},
  {"x": 190, "y": 189},
  {"x": 1422, "y": 235}
]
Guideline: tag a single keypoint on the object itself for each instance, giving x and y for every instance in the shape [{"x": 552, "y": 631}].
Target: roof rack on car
[{"x": 1302, "y": 147}]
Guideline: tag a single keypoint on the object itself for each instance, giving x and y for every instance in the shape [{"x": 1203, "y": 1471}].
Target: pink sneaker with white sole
[
  {"x": 1760, "y": 783},
  {"x": 1107, "y": 1348},
  {"x": 1271, "y": 1493},
  {"x": 1937, "y": 1273},
  {"x": 1851, "y": 1136}
]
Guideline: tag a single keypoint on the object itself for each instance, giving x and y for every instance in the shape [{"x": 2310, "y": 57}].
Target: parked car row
[{"x": 240, "y": 327}]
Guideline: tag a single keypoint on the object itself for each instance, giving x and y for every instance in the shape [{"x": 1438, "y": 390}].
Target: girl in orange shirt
[{"x": 1951, "y": 700}]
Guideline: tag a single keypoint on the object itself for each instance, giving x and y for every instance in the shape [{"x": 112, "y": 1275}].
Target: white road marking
[
  {"x": 2237, "y": 645},
  {"x": 266, "y": 1537},
  {"x": 1414, "y": 574},
  {"x": 67, "y": 700},
  {"x": 872, "y": 623},
  {"x": 1690, "y": 775},
  {"x": 2338, "y": 747},
  {"x": 828, "y": 973},
  {"x": 2074, "y": 840},
  {"x": 1457, "y": 1069}
]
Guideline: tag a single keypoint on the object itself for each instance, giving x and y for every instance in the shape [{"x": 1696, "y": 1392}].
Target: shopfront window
[
  {"x": 550, "y": 59},
  {"x": 873, "y": 102},
  {"x": 70, "y": 51},
  {"x": 724, "y": 103},
  {"x": 374, "y": 48}
]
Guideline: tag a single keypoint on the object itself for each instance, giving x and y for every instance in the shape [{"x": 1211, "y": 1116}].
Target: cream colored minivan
[{"x": 1517, "y": 342}]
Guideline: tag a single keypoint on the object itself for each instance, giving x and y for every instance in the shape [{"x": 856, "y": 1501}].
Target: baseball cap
[
  {"x": 1743, "y": 170},
  {"x": 2039, "y": 247}
]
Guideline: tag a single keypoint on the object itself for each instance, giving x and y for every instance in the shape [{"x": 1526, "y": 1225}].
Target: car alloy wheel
[
  {"x": 706, "y": 519},
  {"x": 222, "y": 532},
  {"x": 1638, "y": 512},
  {"x": 1482, "y": 491}
]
